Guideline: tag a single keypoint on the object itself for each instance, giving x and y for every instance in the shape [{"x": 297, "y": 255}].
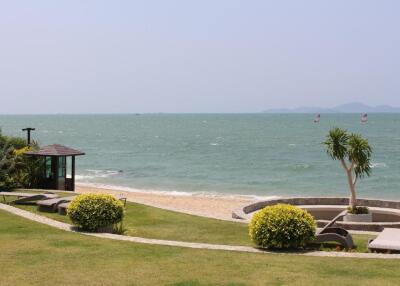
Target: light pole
[{"x": 28, "y": 130}]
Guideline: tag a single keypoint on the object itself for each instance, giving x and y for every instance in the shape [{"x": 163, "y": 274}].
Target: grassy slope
[
  {"x": 35, "y": 254},
  {"x": 150, "y": 222},
  {"x": 145, "y": 221}
]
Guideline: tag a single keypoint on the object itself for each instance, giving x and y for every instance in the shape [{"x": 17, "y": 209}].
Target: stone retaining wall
[
  {"x": 321, "y": 201},
  {"x": 374, "y": 226}
]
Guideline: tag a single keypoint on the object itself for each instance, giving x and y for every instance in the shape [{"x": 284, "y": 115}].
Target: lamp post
[{"x": 28, "y": 130}]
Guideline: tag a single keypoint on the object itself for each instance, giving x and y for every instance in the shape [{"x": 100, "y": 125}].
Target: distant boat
[
  {"x": 317, "y": 118},
  {"x": 364, "y": 117}
]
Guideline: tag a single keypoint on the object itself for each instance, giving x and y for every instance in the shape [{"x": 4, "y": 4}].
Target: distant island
[{"x": 354, "y": 107}]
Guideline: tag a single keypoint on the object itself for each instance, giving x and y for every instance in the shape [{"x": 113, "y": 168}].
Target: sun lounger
[
  {"x": 335, "y": 234},
  {"x": 122, "y": 198},
  {"x": 62, "y": 208},
  {"x": 387, "y": 241},
  {"x": 52, "y": 204},
  {"x": 24, "y": 198}
]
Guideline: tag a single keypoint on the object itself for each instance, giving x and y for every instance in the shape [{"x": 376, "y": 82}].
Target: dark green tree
[
  {"x": 17, "y": 169},
  {"x": 8, "y": 168}
]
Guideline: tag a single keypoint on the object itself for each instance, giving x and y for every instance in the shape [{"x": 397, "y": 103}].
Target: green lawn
[
  {"x": 36, "y": 254},
  {"x": 150, "y": 222}
]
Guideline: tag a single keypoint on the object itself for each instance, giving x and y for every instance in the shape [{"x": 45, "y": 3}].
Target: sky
[{"x": 79, "y": 56}]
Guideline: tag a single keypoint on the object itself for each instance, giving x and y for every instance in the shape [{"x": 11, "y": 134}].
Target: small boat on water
[
  {"x": 364, "y": 118},
  {"x": 317, "y": 118}
]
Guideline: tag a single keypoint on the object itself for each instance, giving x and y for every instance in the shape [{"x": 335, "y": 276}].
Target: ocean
[{"x": 219, "y": 154}]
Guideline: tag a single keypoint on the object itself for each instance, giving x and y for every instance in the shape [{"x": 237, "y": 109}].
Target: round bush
[
  {"x": 282, "y": 226},
  {"x": 93, "y": 211}
]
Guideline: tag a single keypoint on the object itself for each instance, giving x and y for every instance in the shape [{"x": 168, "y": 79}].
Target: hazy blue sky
[{"x": 196, "y": 56}]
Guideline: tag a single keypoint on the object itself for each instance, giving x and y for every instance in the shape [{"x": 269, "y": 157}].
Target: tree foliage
[
  {"x": 359, "y": 153},
  {"x": 354, "y": 153},
  {"x": 16, "y": 169}
]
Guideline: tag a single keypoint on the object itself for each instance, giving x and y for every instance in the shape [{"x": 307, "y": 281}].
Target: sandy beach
[{"x": 219, "y": 207}]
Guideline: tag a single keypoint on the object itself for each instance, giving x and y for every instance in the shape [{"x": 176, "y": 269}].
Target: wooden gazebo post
[{"x": 73, "y": 173}]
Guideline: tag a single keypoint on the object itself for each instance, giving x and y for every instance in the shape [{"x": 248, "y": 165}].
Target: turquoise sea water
[{"x": 249, "y": 154}]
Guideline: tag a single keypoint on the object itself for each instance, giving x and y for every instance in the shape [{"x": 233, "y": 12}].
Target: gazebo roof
[{"x": 55, "y": 150}]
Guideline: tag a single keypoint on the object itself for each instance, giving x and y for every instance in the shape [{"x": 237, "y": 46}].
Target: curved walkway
[{"x": 68, "y": 227}]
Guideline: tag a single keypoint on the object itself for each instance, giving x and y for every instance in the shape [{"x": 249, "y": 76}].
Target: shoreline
[
  {"x": 217, "y": 207},
  {"x": 174, "y": 193}
]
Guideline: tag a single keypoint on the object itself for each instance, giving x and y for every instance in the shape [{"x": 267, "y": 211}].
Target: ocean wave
[
  {"x": 83, "y": 177},
  {"x": 378, "y": 165},
  {"x": 299, "y": 166},
  {"x": 176, "y": 193},
  {"x": 93, "y": 174}
]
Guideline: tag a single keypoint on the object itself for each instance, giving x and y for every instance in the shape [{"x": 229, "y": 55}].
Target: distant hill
[{"x": 354, "y": 107}]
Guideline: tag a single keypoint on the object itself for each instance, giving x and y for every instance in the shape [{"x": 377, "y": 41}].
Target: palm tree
[{"x": 354, "y": 153}]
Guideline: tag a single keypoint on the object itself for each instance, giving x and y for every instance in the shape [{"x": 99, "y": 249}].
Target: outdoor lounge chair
[
  {"x": 122, "y": 198},
  {"x": 335, "y": 234},
  {"x": 62, "y": 208},
  {"x": 25, "y": 198},
  {"x": 52, "y": 204},
  {"x": 387, "y": 241}
]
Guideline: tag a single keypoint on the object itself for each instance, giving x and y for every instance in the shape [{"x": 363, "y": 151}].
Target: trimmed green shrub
[
  {"x": 93, "y": 211},
  {"x": 358, "y": 210},
  {"x": 282, "y": 226}
]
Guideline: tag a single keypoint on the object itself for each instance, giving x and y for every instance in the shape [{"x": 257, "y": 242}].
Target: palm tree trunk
[
  {"x": 349, "y": 173},
  {"x": 353, "y": 198}
]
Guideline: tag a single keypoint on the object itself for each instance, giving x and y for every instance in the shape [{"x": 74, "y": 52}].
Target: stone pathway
[{"x": 68, "y": 227}]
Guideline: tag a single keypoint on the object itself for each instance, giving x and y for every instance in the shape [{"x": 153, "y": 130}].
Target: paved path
[{"x": 68, "y": 227}]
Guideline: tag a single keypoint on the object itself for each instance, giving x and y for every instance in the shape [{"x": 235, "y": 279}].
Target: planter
[{"x": 358, "y": 217}]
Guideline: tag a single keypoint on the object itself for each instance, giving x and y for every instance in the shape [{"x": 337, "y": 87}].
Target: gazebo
[{"x": 55, "y": 174}]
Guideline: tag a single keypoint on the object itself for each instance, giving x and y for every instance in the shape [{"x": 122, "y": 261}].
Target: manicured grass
[
  {"x": 36, "y": 254},
  {"x": 150, "y": 222},
  {"x": 141, "y": 220},
  {"x": 145, "y": 221}
]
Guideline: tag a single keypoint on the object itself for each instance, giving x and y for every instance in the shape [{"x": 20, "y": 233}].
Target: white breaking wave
[
  {"x": 176, "y": 193},
  {"x": 378, "y": 165},
  {"x": 302, "y": 166},
  {"x": 93, "y": 174},
  {"x": 83, "y": 177}
]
